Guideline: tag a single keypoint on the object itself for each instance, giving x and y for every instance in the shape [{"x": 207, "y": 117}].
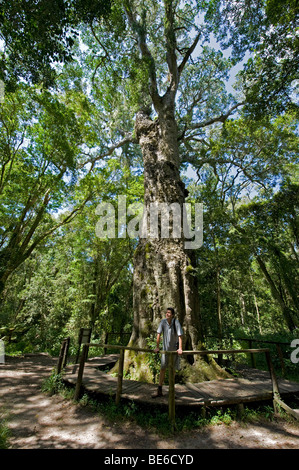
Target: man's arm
[
  {"x": 158, "y": 342},
  {"x": 180, "y": 350}
]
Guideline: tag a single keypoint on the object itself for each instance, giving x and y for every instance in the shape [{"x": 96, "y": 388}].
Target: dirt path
[{"x": 38, "y": 421}]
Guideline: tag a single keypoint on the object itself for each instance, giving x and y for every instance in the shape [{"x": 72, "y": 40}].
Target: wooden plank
[
  {"x": 135, "y": 388},
  {"x": 213, "y": 393},
  {"x": 102, "y": 361},
  {"x": 132, "y": 386},
  {"x": 197, "y": 392},
  {"x": 236, "y": 400},
  {"x": 141, "y": 393},
  {"x": 189, "y": 395},
  {"x": 286, "y": 386},
  {"x": 227, "y": 387}
]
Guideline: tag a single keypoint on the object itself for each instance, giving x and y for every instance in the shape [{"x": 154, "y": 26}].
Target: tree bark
[
  {"x": 162, "y": 266},
  {"x": 164, "y": 273}
]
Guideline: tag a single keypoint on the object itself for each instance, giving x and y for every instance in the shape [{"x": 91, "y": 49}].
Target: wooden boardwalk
[{"x": 212, "y": 393}]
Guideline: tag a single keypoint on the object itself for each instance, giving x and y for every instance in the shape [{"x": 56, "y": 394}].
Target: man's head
[{"x": 170, "y": 312}]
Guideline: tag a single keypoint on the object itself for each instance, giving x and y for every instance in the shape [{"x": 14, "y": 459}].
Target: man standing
[{"x": 172, "y": 341}]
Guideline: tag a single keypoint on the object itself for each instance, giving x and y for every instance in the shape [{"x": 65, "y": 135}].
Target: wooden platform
[{"x": 213, "y": 393}]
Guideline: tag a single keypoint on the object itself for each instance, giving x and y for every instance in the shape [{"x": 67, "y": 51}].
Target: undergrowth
[{"x": 4, "y": 432}]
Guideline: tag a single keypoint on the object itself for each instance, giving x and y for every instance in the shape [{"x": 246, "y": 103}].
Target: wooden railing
[
  {"x": 62, "y": 359},
  {"x": 250, "y": 342},
  {"x": 172, "y": 354}
]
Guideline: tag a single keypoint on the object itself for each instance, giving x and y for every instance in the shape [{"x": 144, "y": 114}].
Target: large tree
[{"x": 155, "y": 70}]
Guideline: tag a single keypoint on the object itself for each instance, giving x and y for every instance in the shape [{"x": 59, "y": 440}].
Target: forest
[{"x": 186, "y": 102}]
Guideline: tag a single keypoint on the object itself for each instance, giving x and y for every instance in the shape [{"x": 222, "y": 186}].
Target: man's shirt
[{"x": 170, "y": 336}]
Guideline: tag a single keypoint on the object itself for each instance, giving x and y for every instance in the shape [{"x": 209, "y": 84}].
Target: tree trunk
[
  {"x": 164, "y": 273},
  {"x": 94, "y": 310},
  {"x": 256, "y": 305},
  {"x": 287, "y": 275},
  {"x": 288, "y": 314},
  {"x": 219, "y": 315},
  {"x": 243, "y": 311}
]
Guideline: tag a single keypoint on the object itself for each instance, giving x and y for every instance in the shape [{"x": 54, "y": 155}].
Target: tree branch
[
  {"x": 37, "y": 220},
  {"x": 98, "y": 41},
  {"x": 65, "y": 221},
  {"x": 127, "y": 139},
  {"x": 171, "y": 46},
  {"x": 145, "y": 52},
  {"x": 221, "y": 118},
  {"x": 188, "y": 54}
]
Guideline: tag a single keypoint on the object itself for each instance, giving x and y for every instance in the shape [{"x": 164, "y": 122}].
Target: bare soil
[{"x": 40, "y": 421}]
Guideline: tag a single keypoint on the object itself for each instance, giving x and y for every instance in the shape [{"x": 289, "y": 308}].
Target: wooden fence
[
  {"x": 250, "y": 342},
  {"x": 172, "y": 354},
  {"x": 85, "y": 336}
]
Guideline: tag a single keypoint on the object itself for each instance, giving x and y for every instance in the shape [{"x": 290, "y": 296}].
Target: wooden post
[
  {"x": 80, "y": 372},
  {"x": 79, "y": 345},
  {"x": 252, "y": 356},
  {"x": 231, "y": 346},
  {"x": 280, "y": 358},
  {"x": 106, "y": 342},
  {"x": 275, "y": 388},
  {"x": 171, "y": 394},
  {"x": 220, "y": 356},
  {"x": 84, "y": 337},
  {"x": 61, "y": 355},
  {"x": 240, "y": 410},
  {"x": 120, "y": 376},
  {"x": 66, "y": 350}
]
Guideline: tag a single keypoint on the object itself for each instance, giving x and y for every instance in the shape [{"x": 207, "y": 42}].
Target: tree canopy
[{"x": 38, "y": 34}]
